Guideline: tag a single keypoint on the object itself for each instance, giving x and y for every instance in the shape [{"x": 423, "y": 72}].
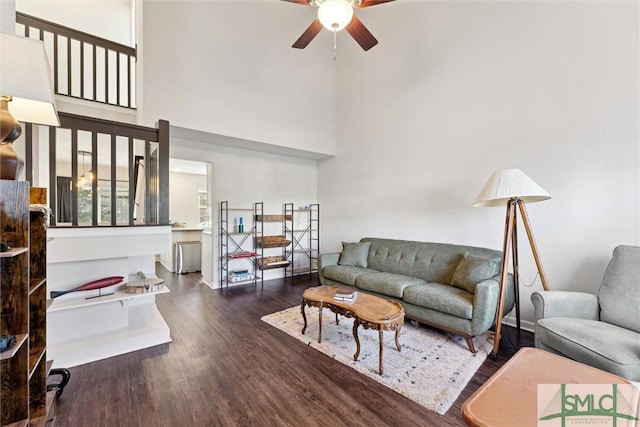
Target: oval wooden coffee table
[{"x": 370, "y": 311}]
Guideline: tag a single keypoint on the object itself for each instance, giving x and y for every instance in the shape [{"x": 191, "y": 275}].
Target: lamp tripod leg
[
  {"x": 516, "y": 270},
  {"x": 534, "y": 248},
  {"x": 508, "y": 232}
]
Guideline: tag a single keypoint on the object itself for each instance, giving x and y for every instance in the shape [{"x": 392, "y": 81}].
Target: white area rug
[{"x": 432, "y": 368}]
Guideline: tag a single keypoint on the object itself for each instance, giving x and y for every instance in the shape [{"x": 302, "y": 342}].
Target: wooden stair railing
[
  {"x": 85, "y": 66},
  {"x": 131, "y": 157}
]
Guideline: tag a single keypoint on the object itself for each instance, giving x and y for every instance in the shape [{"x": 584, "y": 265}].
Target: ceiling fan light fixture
[{"x": 334, "y": 15}]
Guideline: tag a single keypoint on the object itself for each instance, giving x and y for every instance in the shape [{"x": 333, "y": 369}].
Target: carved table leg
[
  {"x": 355, "y": 335},
  {"x": 304, "y": 317},
  {"x": 398, "y": 338},
  {"x": 337, "y": 319},
  {"x": 320, "y": 324},
  {"x": 380, "y": 332}
]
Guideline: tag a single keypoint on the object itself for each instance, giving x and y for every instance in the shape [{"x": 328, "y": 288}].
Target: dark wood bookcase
[{"x": 24, "y": 368}]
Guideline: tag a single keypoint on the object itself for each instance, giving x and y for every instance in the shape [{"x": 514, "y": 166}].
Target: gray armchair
[{"x": 599, "y": 330}]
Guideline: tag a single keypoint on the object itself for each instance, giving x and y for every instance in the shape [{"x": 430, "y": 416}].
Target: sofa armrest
[
  {"x": 485, "y": 303},
  {"x": 565, "y": 304},
  {"x": 325, "y": 260}
]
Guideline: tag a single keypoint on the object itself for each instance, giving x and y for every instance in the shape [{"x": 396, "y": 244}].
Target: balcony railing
[
  {"x": 125, "y": 181},
  {"x": 85, "y": 66}
]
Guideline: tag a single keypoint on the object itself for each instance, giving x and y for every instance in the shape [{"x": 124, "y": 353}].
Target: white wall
[
  {"x": 228, "y": 68},
  {"x": 7, "y": 17},
  {"x": 462, "y": 89},
  {"x": 109, "y": 19},
  {"x": 183, "y": 197}
]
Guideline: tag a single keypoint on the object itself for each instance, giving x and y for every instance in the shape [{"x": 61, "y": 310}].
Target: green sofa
[
  {"x": 452, "y": 287},
  {"x": 599, "y": 330}
]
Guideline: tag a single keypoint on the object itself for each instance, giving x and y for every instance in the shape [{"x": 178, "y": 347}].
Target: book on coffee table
[{"x": 345, "y": 294}]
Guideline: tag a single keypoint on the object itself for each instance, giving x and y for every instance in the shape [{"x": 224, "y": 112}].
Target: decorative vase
[
  {"x": 10, "y": 163},
  {"x": 10, "y": 130}
]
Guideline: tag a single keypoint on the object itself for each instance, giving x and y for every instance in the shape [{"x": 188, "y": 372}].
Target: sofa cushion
[
  {"x": 619, "y": 293},
  {"x": 354, "y": 254},
  {"x": 474, "y": 269},
  {"x": 344, "y": 273},
  {"x": 442, "y": 298},
  {"x": 600, "y": 344},
  {"x": 431, "y": 262},
  {"x": 388, "y": 284}
]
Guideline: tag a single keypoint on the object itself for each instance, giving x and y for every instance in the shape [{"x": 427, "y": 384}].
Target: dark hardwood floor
[{"x": 225, "y": 367}]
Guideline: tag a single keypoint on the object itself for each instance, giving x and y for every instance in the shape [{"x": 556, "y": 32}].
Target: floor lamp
[
  {"x": 26, "y": 94},
  {"x": 511, "y": 187}
]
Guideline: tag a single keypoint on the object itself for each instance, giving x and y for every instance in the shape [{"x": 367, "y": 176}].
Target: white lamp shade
[
  {"x": 334, "y": 15},
  {"x": 508, "y": 184},
  {"x": 26, "y": 77}
]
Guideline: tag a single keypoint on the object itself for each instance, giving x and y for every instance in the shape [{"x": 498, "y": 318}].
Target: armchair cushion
[
  {"x": 619, "y": 294},
  {"x": 600, "y": 344}
]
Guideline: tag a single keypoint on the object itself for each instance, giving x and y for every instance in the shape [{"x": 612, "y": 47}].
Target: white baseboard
[
  {"x": 211, "y": 285},
  {"x": 169, "y": 269},
  {"x": 525, "y": 325}
]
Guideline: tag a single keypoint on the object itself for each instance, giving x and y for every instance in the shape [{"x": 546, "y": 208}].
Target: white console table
[
  {"x": 120, "y": 323},
  {"x": 83, "y": 330}
]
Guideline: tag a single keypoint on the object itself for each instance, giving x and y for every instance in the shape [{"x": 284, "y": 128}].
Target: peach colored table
[{"x": 509, "y": 397}]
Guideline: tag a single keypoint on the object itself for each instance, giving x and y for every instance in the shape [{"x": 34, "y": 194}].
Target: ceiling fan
[{"x": 335, "y": 15}]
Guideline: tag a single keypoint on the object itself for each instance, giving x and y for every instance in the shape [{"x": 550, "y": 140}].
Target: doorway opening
[{"x": 190, "y": 217}]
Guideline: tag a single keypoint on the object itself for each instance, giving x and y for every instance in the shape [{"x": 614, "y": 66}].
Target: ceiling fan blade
[
  {"x": 367, "y": 3},
  {"x": 308, "y": 35},
  {"x": 360, "y": 34},
  {"x": 304, "y": 2}
]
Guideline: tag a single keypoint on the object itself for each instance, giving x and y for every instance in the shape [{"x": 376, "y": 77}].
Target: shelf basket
[
  {"x": 273, "y": 218},
  {"x": 272, "y": 242},
  {"x": 270, "y": 262}
]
